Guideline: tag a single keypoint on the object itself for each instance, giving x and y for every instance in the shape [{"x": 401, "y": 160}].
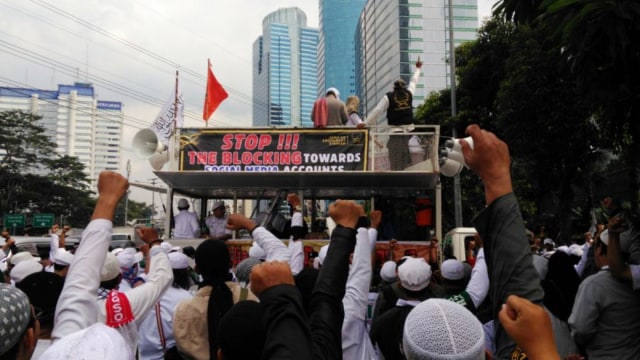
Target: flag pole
[
  {"x": 173, "y": 143},
  {"x": 206, "y": 122}
]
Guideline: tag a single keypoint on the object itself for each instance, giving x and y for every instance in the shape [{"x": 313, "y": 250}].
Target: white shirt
[
  {"x": 356, "y": 343},
  {"x": 186, "y": 225},
  {"x": 77, "y": 308},
  {"x": 478, "y": 285},
  {"x": 273, "y": 247},
  {"x": 296, "y": 262},
  {"x": 145, "y": 296},
  {"x": 217, "y": 226},
  {"x": 54, "y": 245},
  {"x": 149, "y": 342}
]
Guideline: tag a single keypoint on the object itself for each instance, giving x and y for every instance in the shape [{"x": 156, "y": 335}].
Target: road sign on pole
[
  {"x": 43, "y": 220},
  {"x": 14, "y": 220}
]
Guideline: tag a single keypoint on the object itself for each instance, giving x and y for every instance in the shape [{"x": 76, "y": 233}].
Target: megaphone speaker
[
  {"x": 157, "y": 160},
  {"x": 450, "y": 167},
  {"x": 146, "y": 143}
]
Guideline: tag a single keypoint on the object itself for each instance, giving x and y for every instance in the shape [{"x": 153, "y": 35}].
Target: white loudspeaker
[
  {"x": 157, "y": 160},
  {"x": 450, "y": 167},
  {"x": 454, "y": 144},
  {"x": 146, "y": 143}
]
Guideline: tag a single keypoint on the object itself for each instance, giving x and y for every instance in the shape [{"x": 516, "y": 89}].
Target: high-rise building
[
  {"x": 336, "y": 48},
  {"x": 391, "y": 34},
  {"x": 78, "y": 123},
  {"x": 285, "y": 70}
]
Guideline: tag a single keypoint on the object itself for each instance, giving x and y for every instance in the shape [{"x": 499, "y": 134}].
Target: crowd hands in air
[{"x": 270, "y": 306}]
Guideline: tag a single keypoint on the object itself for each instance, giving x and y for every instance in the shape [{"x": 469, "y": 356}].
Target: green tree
[
  {"x": 32, "y": 173},
  {"x": 547, "y": 124}
]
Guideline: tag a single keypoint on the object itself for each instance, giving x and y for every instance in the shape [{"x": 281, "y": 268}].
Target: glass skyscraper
[
  {"x": 336, "y": 50},
  {"x": 392, "y": 34},
  {"x": 285, "y": 70}
]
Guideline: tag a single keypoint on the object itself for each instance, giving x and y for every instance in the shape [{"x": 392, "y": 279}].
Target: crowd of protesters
[{"x": 520, "y": 298}]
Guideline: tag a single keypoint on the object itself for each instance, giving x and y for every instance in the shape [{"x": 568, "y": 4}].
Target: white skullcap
[
  {"x": 575, "y": 250},
  {"x": 217, "y": 205},
  {"x": 22, "y": 256},
  {"x": 604, "y": 237},
  {"x": 24, "y": 269},
  {"x": 414, "y": 274},
  {"x": 439, "y": 329},
  {"x": 95, "y": 342},
  {"x": 63, "y": 258},
  {"x": 388, "y": 271},
  {"x": 178, "y": 260},
  {"x": 110, "y": 269},
  {"x": 166, "y": 245},
  {"x": 256, "y": 252},
  {"x": 452, "y": 269},
  {"x": 548, "y": 241},
  {"x": 334, "y": 91},
  {"x": 322, "y": 254},
  {"x": 126, "y": 259}
]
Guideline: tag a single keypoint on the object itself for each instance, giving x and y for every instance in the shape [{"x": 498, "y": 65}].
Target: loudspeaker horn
[
  {"x": 146, "y": 143},
  {"x": 157, "y": 160}
]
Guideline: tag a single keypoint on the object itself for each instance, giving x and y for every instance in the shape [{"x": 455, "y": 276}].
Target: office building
[
  {"x": 285, "y": 70},
  {"x": 76, "y": 121},
  {"x": 392, "y": 34},
  {"x": 336, "y": 46}
]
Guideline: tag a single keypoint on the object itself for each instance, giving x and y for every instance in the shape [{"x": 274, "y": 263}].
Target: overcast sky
[{"x": 130, "y": 49}]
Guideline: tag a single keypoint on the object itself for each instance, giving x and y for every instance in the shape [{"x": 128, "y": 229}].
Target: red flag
[{"x": 215, "y": 95}]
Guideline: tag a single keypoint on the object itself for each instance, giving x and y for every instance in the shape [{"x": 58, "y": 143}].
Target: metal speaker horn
[
  {"x": 157, "y": 160},
  {"x": 146, "y": 143}
]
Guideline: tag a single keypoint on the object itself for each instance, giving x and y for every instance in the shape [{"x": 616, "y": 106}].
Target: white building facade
[{"x": 78, "y": 123}]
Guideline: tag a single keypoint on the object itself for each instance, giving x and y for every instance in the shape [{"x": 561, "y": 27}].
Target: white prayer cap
[
  {"x": 440, "y": 329},
  {"x": 22, "y": 256},
  {"x": 388, "y": 271},
  {"x": 24, "y": 269},
  {"x": 126, "y": 259},
  {"x": 452, "y": 269},
  {"x": 63, "y": 258},
  {"x": 178, "y": 260},
  {"x": 414, "y": 274},
  {"x": 110, "y": 269}
]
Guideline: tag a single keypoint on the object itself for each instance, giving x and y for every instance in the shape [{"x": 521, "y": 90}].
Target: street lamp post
[{"x": 457, "y": 197}]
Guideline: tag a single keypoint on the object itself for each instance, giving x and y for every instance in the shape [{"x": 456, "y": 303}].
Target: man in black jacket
[{"x": 288, "y": 332}]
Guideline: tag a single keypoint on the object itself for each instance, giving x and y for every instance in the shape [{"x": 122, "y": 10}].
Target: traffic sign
[
  {"x": 43, "y": 220},
  {"x": 14, "y": 221}
]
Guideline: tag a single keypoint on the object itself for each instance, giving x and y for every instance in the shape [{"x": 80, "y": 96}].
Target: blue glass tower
[
  {"x": 336, "y": 49},
  {"x": 284, "y": 70}
]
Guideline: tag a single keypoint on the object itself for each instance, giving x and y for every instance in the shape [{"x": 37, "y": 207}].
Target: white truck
[{"x": 456, "y": 242}]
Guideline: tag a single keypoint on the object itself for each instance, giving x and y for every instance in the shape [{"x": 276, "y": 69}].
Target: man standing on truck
[
  {"x": 217, "y": 223},
  {"x": 186, "y": 223},
  {"x": 398, "y": 105}
]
